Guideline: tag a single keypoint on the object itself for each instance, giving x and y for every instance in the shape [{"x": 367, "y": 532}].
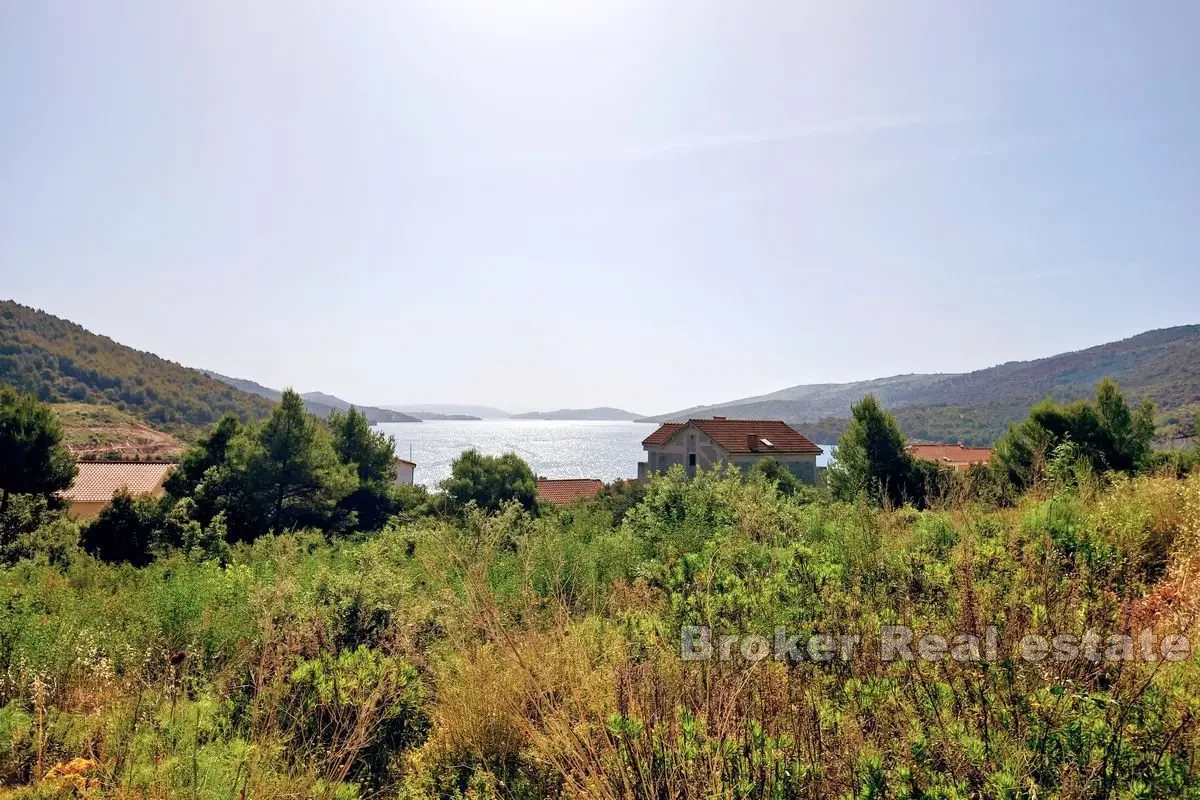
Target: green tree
[
  {"x": 283, "y": 474},
  {"x": 126, "y": 530},
  {"x": 372, "y": 455},
  {"x": 371, "y": 452},
  {"x": 179, "y": 529},
  {"x": 490, "y": 481},
  {"x": 1107, "y": 435},
  {"x": 210, "y": 451},
  {"x": 33, "y": 459},
  {"x": 1127, "y": 433},
  {"x": 871, "y": 457}
]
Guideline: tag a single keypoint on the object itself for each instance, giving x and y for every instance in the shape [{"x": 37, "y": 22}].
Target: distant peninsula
[
  {"x": 433, "y": 416},
  {"x": 601, "y": 413},
  {"x": 451, "y": 410}
]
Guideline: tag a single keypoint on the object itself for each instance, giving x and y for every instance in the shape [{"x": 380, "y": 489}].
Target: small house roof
[
  {"x": 742, "y": 435},
  {"x": 98, "y": 481},
  {"x": 951, "y": 453},
  {"x": 663, "y": 434},
  {"x": 564, "y": 491}
]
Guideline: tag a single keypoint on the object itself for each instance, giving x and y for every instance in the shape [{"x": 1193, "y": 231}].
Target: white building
[{"x": 404, "y": 472}]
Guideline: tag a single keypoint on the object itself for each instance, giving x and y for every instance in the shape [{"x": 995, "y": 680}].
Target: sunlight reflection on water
[{"x": 553, "y": 448}]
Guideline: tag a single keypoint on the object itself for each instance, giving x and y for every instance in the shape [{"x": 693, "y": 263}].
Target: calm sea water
[{"x": 553, "y": 448}]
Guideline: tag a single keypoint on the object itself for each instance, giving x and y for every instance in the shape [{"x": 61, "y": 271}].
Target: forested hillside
[
  {"x": 1162, "y": 366},
  {"x": 61, "y": 362}
]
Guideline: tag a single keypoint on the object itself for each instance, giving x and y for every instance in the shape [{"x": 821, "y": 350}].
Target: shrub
[
  {"x": 490, "y": 481},
  {"x": 125, "y": 530}
]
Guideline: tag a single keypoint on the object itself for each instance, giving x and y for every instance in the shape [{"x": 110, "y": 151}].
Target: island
[{"x": 433, "y": 416}]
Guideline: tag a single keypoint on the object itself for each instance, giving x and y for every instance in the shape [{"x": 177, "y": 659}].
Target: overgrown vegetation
[{"x": 512, "y": 651}]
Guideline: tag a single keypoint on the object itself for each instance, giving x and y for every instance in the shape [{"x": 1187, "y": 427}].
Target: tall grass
[{"x": 520, "y": 657}]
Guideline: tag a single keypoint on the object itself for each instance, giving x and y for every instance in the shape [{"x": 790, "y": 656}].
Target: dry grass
[{"x": 102, "y": 432}]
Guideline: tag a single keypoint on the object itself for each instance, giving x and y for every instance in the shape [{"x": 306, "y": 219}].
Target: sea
[{"x": 552, "y": 448}]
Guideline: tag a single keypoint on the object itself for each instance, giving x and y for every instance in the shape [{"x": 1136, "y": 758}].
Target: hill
[
  {"x": 373, "y": 414},
  {"x": 61, "y": 362},
  {"x": 976, "y": 407},
  {"x": 316, "y": 403},
  {"x": 601, "y": 413},
  {"x": 104, "y": 432}
]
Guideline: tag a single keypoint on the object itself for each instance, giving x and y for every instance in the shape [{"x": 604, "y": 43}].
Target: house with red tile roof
[
  {"x": 97, "y": 482},
  {"x": 565, "y": 491},
  {"x": 709, "y": 443},
  {"x": 953, "y": 455}
]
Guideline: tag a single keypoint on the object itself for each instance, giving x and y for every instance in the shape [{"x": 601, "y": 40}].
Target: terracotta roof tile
[
  {"x": 98, "y": 481},
  {"x": 564, "y": 491},
  {"x": 742, "y": 435},
  {"x": 664, "y": 432},
  {"x": 955, "y": 454}
]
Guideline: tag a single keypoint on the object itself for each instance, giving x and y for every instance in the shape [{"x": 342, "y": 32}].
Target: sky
[{"x": 537, "y": 204}]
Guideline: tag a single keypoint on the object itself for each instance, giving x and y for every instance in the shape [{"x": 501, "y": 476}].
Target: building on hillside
[
  {"x": 708, "y": 443},
  {"x": 565, "y": 491},
  {"x": 404, "y": 472},
  {"x": 98, "y": 481},
  {"x": 957, "y": 455}
]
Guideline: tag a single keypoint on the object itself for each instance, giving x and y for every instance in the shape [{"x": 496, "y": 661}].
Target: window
[{"x": 691, "y": 459}]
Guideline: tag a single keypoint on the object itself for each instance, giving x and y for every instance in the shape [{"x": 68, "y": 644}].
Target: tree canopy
[
  {"x": 871, "y": 456},
  {"x": 210, "y": 451},
  {"x": 290, "y": 472},
  {"x": 33, "y": 459},
  {"x": 372, "y": 455},
  {"x": 372, "y": 452},
  {"x": 1107, "y": 435},
  {"x": 490, "y": 481}
]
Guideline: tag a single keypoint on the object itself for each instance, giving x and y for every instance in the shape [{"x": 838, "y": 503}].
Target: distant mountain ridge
[
  {"x": 600, "y": 413},
  {"x": 480, "y": 412},
  {"x": 373, "y": 413},
  {"x": 316, "y": 403},
  {"x": 975, "y": 407}
]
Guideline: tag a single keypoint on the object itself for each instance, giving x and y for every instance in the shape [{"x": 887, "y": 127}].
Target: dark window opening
[{"x": 691, "y": 459}]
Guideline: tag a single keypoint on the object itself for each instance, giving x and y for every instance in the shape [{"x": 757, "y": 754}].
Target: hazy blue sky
[{"x": 544, "y": 203}]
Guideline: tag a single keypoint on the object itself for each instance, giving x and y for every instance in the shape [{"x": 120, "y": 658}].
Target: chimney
[{"x": 718, "y": 419}]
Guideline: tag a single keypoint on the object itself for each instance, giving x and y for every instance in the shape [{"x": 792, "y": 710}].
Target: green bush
[{"x": 515, "y": 654}]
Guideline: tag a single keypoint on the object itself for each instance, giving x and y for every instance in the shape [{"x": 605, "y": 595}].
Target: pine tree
[
  {"x": 33, "y": 459},
  {"x": 871, "y": 456}
]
